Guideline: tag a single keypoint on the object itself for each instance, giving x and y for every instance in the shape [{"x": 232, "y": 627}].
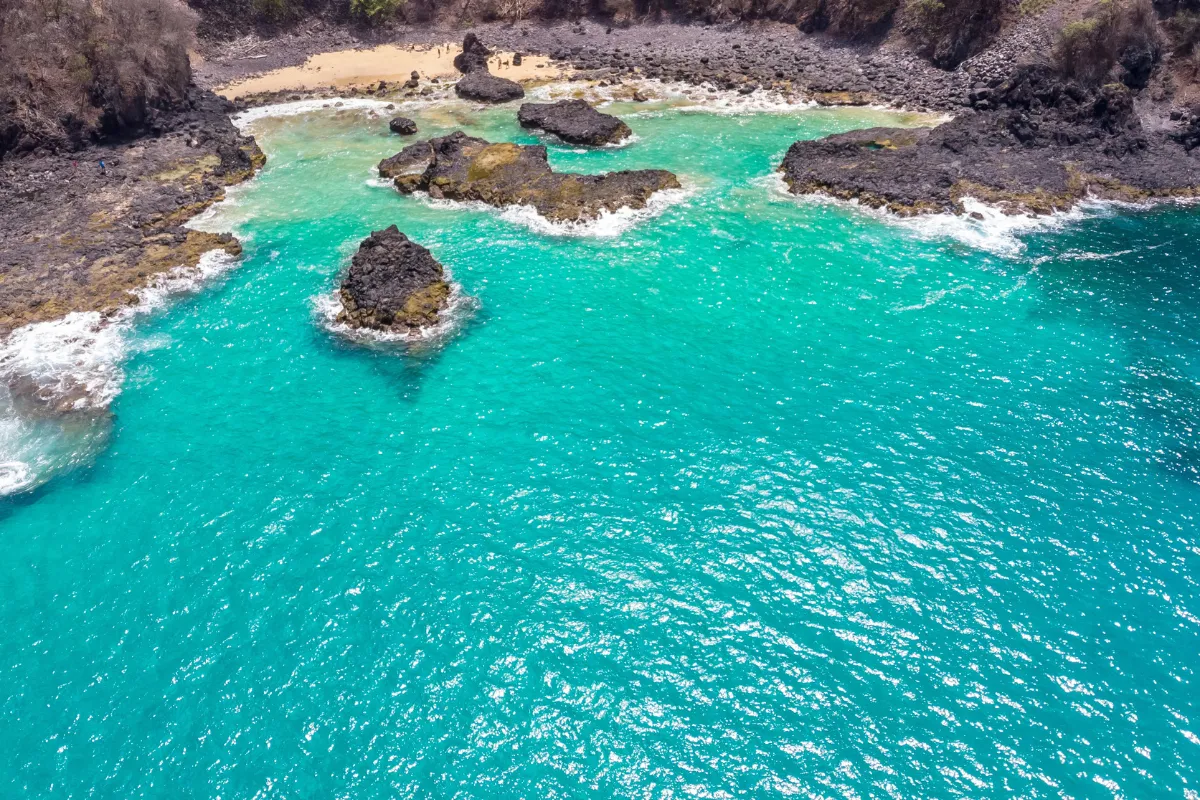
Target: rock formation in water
[
  {"x": 393, "y": 284},
  {"x": 461, "y": 167},
  {"x": 1034, "y": 143},
  {"x": 402, "y": 126},
  {"x": 574, "y": 121},
  {"x": 478, "y": 83}
]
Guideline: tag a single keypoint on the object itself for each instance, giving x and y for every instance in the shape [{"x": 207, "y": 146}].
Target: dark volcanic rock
[
  {"x": 78, "y": 238},
  {"x": 412, "y": 160},
  {"x": 574, "y": 121},
  {"x": 403, "y": 126},
  {"x": 460, "y": 167},
  {"x": 1035, "y": 144},
  {"x": 474, "y": 56},
  {"x": 485, "y": 87},
  {"x": 393, "y": 284}
]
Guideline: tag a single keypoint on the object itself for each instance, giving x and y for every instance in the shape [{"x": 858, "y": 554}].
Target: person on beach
[{"x": 103, "y": 171}]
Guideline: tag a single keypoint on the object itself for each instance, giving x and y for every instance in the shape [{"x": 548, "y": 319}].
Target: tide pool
[{"x": 754, "y": 496}]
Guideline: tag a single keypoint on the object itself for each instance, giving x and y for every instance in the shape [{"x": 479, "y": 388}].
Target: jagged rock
[
  {"x": 574, "y": 121},
  {"x": 474, "y": 56},
  {"x": 412, "y": 160},
  {"x": 461, "y": 167},
  {"x": 1034, "y": 143},
  {"x": 484, "y": 87},
  {"x": 402, "y": 126},
  {"x": 393, "y": 284}
]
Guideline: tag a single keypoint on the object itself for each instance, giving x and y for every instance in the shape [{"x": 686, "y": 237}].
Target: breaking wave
[
  {"x": 608, "y": 225},
  {"x": 72, "y": 367},
  {"x": 983, "y": 226}
]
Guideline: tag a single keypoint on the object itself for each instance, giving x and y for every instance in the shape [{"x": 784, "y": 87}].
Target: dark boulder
[
  {"x": 412, "y": 160},
  {"x": 464, "y": 168},
  {"x": 474, "y": 56},
  {"x": 574, "y": 121},
  {"x": 1033, "y": 143},
  {"x": 393, "y": 284},
  {"x": 484, "y": 87},
  {"x": 403, "y": 126}
]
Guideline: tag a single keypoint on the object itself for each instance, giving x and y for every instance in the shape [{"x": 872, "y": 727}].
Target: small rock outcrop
[
  {"x": 1034, "y": 143},
  {"x": 461, "y": 167},
  {"x": 484, "y": 87},
  {"x": 478, "y": 83},
  {"x": 574, "y": 121},
  {"x": 402, "y": 126},
  {"x": 393, "y": 284}
]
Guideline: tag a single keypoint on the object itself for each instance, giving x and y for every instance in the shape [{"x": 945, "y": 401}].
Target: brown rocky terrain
[
  {"x": 78, "y": 237},
  {"x": 393, "y": 284},
  {"x": 464, "y": 168}
]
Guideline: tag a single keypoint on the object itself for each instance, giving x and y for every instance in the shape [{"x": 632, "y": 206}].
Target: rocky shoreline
[
  {"x": 740, "y": 57},
  {"x": 1033, "y": 144},
  {"x": 85, "y": 230},
  {"x": 82, "y": 238}
]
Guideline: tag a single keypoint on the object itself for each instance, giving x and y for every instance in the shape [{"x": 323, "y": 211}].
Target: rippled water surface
[{"x": 755, "y": 498}]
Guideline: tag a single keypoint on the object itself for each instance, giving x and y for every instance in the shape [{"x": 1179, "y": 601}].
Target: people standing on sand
[{"x": 103, "y": 171}]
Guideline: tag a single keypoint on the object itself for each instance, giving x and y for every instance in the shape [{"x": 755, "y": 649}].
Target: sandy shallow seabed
[{"x": 346, "y": 68}]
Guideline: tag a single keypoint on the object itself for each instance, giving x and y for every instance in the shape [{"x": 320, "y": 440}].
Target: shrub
[
  {"x": 74, "y": 70},
  {"x": 1117, "y": 33},
  {"x": 1184, "y": 29},
  {"x": 375, "y": 10}
]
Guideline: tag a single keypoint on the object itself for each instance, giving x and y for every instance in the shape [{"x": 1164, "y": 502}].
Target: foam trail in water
[
  {"x": 678, "y": 96},
  {"x": 459, "y": 308},
  {"x": 73, "y": 365},
  {"x": 983, "y": 226},
  {"x": 244, "y": 119},
  {"x": 608, "y": 225}
]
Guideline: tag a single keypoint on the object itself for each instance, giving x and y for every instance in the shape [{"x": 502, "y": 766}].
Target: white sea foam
[
  {"x": 608, "y": 225},
  {"x": 983, "y": 226},
  {"x": 244, "y": 119},
  {"x": 677, "y": 95},
  {"x": 74, "y": 364},
  {"x": 459, "y": 308}
]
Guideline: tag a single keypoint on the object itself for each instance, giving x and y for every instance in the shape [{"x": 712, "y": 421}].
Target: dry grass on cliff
[{"x": 72, "y": 70}]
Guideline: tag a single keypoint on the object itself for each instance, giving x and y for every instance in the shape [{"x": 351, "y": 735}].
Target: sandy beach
[{"x": 364, "y": 67}]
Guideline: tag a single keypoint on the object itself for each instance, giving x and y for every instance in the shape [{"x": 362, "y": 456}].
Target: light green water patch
[{"x": 759, "y": 498}]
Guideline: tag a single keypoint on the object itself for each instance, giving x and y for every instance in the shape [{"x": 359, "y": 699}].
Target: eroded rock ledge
[
  {"x": 393, "y": 285},
  {"x": 461, "y": 167},
  {"x": 78, "y": 237},
  {"x": 1032, "y": 144},
  {"x": 574, "y": 121}
]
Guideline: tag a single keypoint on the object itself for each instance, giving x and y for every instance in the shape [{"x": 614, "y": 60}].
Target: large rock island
[
  {"x": 574, "y": 121},
  {"x": 1035, "y": 143},
  {"x": 393, "y": 285},
  {"x": 464, "y": 168}
]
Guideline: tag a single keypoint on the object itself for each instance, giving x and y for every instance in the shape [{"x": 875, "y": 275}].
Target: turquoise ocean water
[{"x": 757, "y": 497}]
